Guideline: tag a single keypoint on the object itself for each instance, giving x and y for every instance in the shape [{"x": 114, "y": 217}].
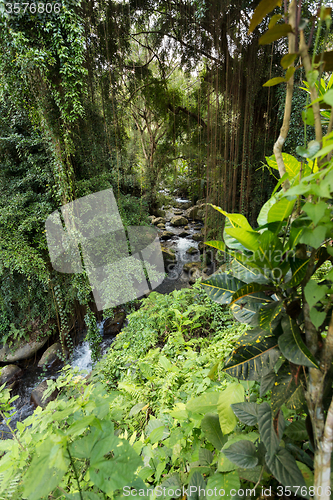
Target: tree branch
[
  {"x": 187, "y": 112},
  {"x": 287, "y": 108}
]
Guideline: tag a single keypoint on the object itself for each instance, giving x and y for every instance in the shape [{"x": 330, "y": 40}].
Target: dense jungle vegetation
[{"x": 219, "y": 389}]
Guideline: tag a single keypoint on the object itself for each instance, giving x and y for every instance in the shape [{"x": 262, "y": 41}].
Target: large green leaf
[
  {"x": 197, "y": 487},
  {"x": 266, "y": 428},
  {"x": 292, "y": 345},
  {"x": 261, "y": 11},
  {"x": 292, "y": 165},
  {"x": 210, "y": 426},
  {"x": 243, "y": 453},
  {"x": 245, "y": 309},
  {"x": 253, "y": 290},
  {"x": 263, "y": 214},
  {"x": 284, "y": 468},
  {"x": 237, "y": 220},
  {"x": 298, "y": 269},
  {"x": 255, "y": 335},
  {"x": 269, "y": 316},
  {"x": 267, "y": 382},
  {"x": 249, "y": 239},
  {"x": 244, "y": 272},
  {"x": 224, "y": 483},
  {"x": 246, "y": 412},
  {"x": 250, "y": 362},
  {"x": 234, "y": 393},
  {"x": 41, "y": 479},
  {"x": 315, "y": 211},
  {"x": 275, "y": 33},
  {"x": 205, "y": 403},
  {"x": 220, "y": 287},
  {"x": 314, "y": 292},
  {"x": 280, "y": 210},
  {"x": 287, "y": 390},
  {"x": 230, "y": 241},
  {"x": 297, "y": 431}
]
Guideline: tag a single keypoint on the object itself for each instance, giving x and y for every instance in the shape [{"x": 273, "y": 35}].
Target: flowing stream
[{"x": 81, "y": 356}]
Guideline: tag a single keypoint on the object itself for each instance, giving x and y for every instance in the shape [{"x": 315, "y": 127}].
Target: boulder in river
[
  {"x": 192, "y": 250},
  {"x": 183, "y": 234},
  {"x": 168, "y": 256},
  {"x": 197, "y": 237},
  {"x": 195, "y": 213},
  {"x": 183, "y": 204},
  {"x": 18, "y": 352},
  {"x": 161, "y": 225},
  {"x": 166, "y": 235},
  {"x": 178, "y": 212},
  {"x": 178, "y": 220},
  {"x": 158, "y": 220},
  {"x": 51, "y": 356},
  {"x": 191, "y": 265},
  {"x": 9, "y": 373},
  {"x": 112, "y": 326},
  {"x": 37, "y": 395}
]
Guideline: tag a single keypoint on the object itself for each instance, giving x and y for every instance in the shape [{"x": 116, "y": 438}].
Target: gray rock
[
  {"x": 17, "y": 352},
  {"x": 51, "y": 356},
  {"x": 192, "y": 250},
  {"x": 195, "y": 213},
  {"x": 166, "y": 235},
  {"x": 168, "y": 257},
  {"x": 37, "y": 395},
  {"x": 191, "y": 265},
  {"x": 197, "y": 237},
  {"x": 183, "y": 205},
  {"x": 178, "y": 220},
  {"x": 9, "y": 373},
  {"x": 112, "y": 326},
  {"x": 158, "y": 220}
]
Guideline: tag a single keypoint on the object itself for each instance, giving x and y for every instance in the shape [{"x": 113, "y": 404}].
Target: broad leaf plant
[{"x": 271, "y": 280}]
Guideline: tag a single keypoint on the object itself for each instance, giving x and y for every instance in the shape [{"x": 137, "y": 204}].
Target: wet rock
[
  {"x": 186, "y": 227},
  {"x": 9, "y": 373},
  {"x": 112, "y": 326},
  {"x": 183, "y": 204},
  {"x": 166, "y": 235},
  {"x": 195, "y": 274},
  {"x": 158, "y": 220},
  {"x": 197, "y": 237},
  {"x": 37, "y": 395},
  {"x": 51, "y": 356},
  {"x": 159, "y": 212},
  {"x": 178, "y": 212},
  {"x": 192, "y": 250},
  {"x": 161, "y": 226},
  {"x": 17, "y": 352},
  {"x": 195, "y": 213},
  {"x": 191, "y": 265},
  {"x": 183, "y": 234},
  {"x": 178, "y": 220},
  {"x": 168, "y": 257}
]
